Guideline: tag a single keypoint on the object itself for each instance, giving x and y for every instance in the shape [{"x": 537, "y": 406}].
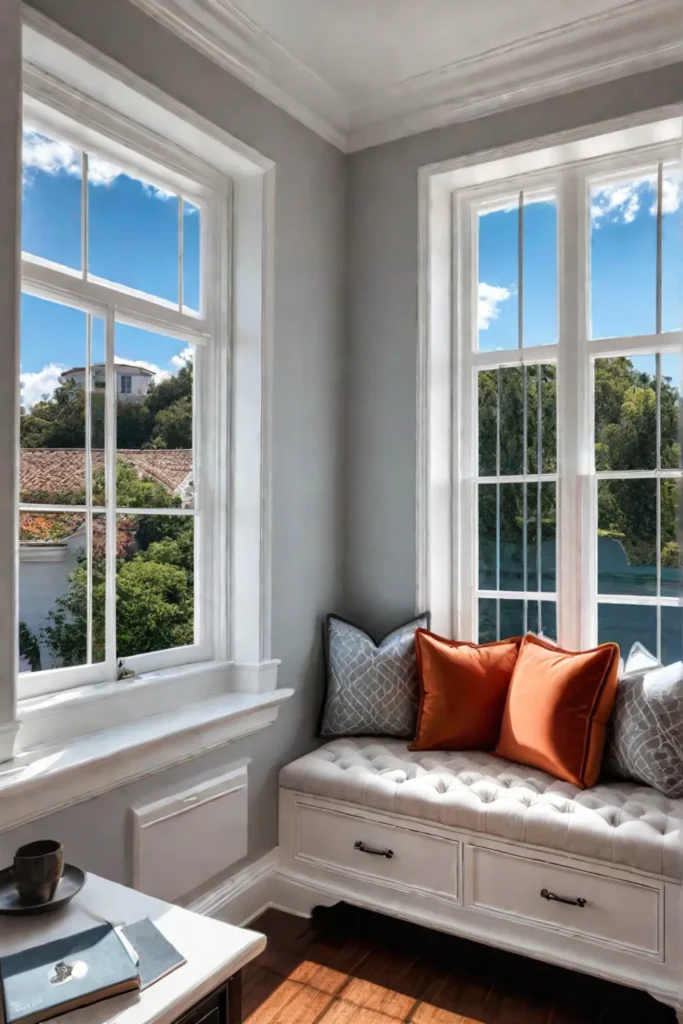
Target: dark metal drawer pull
[
  {"x": 358, "y": 845},
  {"x": 578, "y": 902}
]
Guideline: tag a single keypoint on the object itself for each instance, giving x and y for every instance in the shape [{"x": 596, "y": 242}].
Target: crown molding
[
  {"x": 224, "y": 33},
  {"x": 638, "y": 36}
]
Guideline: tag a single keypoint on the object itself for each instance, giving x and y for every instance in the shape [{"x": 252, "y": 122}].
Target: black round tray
[{"x": 71, "y": 882}]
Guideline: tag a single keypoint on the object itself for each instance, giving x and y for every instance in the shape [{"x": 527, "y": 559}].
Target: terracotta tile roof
[
  {"x": 49, "y": 529},
  {"x": 55, "y": 470}
]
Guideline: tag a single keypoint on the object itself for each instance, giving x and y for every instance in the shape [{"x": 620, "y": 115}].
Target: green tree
[
  {"x": 153, "y": 607},
  {"x": 154, "y": 580},
  {"x": 173, "y": 425},
  {"x": 625, "y": 438},
  {"x": 56, "y": 422},
  {"x": 161, "y": 419},
  {"x": 29, "y": 646}
]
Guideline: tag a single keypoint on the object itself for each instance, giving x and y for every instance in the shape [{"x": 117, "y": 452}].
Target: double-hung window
[
  {"x": 123, "y": 386},
  {"x": 567, "y": 367}
]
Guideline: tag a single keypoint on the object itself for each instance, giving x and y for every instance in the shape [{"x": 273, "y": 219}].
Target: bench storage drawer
[
  {"x": 579, "y": 903},
  {"x": 378, "y": 851}
]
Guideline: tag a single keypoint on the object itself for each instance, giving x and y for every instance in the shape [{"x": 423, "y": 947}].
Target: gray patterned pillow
[
  {"x": 372, "y": 689},
  {"x": 645, "y": 736}
]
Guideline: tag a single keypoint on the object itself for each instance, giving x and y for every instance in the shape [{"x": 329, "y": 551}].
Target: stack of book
[{"x": 84, "y": 968}]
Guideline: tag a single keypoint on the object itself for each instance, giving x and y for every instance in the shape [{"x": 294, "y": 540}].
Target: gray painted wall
[
  {"x": 321, "y": 442},
  {"x": 307, "y": 424},
  {"x": 382, "y": 345}
]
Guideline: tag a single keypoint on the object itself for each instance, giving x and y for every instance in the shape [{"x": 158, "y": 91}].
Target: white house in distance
[{"x": 131, "y": 381}]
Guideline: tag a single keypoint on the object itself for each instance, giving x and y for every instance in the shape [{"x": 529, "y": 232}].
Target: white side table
[{"x": 207, "y": 989}]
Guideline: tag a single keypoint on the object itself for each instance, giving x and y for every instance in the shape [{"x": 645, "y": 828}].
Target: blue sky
[
  {"x": 623, "y": 265},
  {"x": 132, "y": 240}
]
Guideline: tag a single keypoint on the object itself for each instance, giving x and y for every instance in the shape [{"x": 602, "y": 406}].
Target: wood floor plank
[
  {"x": 341, "y": 1012},
  {"x": 349, "y": 966},
  {"x": 291, "y": 1003}
]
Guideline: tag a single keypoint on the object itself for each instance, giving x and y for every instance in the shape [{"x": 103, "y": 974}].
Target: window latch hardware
[{"x": 122, "y": 672}]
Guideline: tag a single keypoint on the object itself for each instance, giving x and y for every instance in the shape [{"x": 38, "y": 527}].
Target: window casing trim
[
  {"x": 447, "y": 570},
  {"x": 245, "y": 300}
]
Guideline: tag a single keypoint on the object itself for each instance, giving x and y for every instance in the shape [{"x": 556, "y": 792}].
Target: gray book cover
[
  {"x": 158, "y": 957},
  {"x": 65, "y": 974}
]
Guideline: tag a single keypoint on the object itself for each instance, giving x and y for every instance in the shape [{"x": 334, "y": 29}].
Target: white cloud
[
  {"x": 672, "y": 193},
  {"x": 35, "y": 386},
  {"x": 621, "y": 202},
  {"x": 159, "y": 374},
  {"x": 52, "y": 156},
  {"x": 490, "y": 298},
  {"x": 182, "y": 358}
]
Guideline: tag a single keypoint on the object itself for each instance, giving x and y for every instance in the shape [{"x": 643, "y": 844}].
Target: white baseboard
[{"x": 242, "y": 897}]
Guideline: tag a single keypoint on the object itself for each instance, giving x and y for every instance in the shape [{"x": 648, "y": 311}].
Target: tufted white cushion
[{"x": 619, "y": 822}]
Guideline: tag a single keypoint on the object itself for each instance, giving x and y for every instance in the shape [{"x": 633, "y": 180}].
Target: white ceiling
[
  {"x": 366, "y": 45},
  {"x": 361, "y": 72}
]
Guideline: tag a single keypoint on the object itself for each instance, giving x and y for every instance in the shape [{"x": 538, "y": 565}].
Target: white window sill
[{"x": 42, "y": 781}]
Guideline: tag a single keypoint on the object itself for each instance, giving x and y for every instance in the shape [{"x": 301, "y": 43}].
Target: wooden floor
[{"x": 355, "y": 967}]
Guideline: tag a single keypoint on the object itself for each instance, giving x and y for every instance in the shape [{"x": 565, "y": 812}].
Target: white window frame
[
  {"x": 205, "y": 330},
  {"x": 448, "y": 362},
  {"x": 76, "y": 86}
]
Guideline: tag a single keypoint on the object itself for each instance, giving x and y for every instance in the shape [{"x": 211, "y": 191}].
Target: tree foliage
[
  {"x": 625, "y": 439},
  {"x": 160, "y": 419}
]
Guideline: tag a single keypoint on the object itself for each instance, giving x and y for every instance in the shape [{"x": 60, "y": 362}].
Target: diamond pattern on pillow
[
  {"x": 372, "y": 689},
  {"x": 645, "y": 737}
]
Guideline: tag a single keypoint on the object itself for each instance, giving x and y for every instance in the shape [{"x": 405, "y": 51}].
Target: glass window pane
[
  {"x": 672, "y": 635},
  {"x": 52, "y": 590},
  {"x": 511, "y": 615},
  {"x": 97, "y": 408},
  {"x": 498, "y": 240},
  {"x": 624, "y": 256},
  {"x": 511, "y": 619},
  {"x": 488, "y": 620},
  {"x": 540, "y": 270},
  {"x": 488, "y": 421},
  {"x": 132, "y": 232},
  {"x": 487, "y": 537},
  {"x": 545, "y": 418},
  {"x": 541, "y": 549},
  {"x": 154, "y": 583},
  {"x": 511, "y": 383},
  {"x": 672, "y": 249},
  {"x": 627, "y": 537},
  {"x": 154, "y": 420},
  {"x": 191, "y": 256},
  {"x": 670, "y": 405},
  {"x": 549, "y": 418},
  {"x": 53, "y": 371},
  {"x": 547, "y": 626},
  {"x": 626, "y": 413},
  {"x": 671, "y": 582},
  {"x": 511, "y": 537},
  {"x": 624, "y": 624},
  {"x": 51, "y": 199}
]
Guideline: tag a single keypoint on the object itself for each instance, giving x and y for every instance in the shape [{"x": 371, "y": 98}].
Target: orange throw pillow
[
  {"x": 463, "y": 688},
  {"x": 557, "y": 709}
]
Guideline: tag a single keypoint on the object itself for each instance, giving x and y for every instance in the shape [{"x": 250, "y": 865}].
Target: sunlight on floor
[{"x": 314, "y": 994}]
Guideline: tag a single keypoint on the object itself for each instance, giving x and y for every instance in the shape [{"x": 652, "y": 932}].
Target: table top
[{"x": 213, "y": 950}]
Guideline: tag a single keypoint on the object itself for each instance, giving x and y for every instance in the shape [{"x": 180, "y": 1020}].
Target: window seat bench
[{"x": 500, "y": 853}]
